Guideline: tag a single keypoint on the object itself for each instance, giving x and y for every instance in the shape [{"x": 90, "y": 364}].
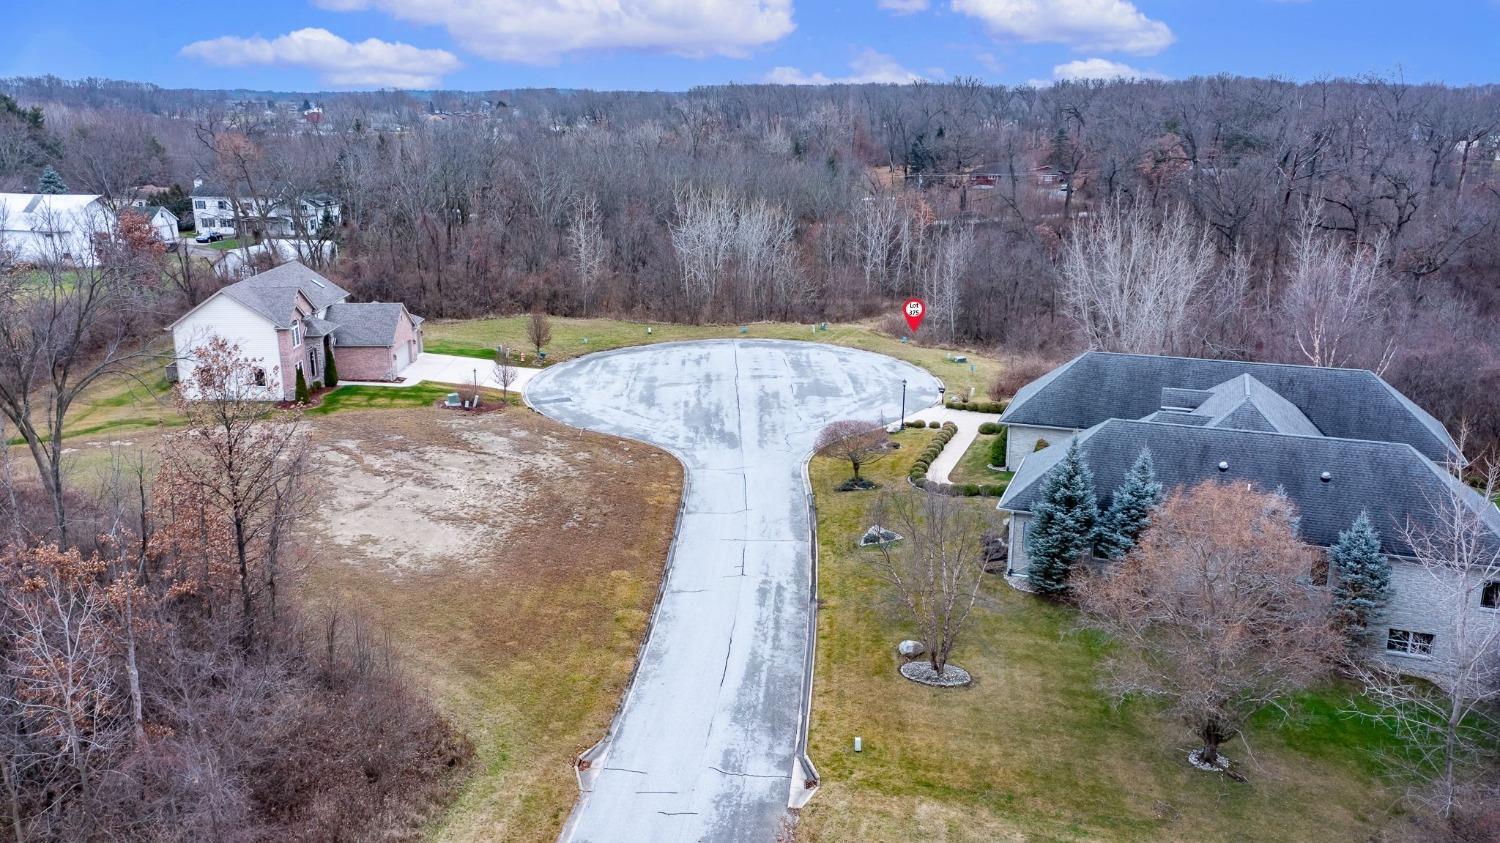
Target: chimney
[{"x": 197, "y": 183}]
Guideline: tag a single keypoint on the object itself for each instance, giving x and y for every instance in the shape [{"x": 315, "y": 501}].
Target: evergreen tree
[
  {"x": 1062, "y": 525},
  {"x": 51, "y": 183},
  {"x": 1130, "y": 511},
  {"x": 1363, "y": 575},
  {"x": 302, "y": 394},
  {"x": 330, "y": 371}
]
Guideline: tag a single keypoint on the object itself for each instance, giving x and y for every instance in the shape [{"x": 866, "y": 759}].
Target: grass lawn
[
  {"x": 1033, "y": 750},
  {"x": 478, "y": 338},
  {"x": 223, "y": 245},
  {"x": 973, "y": 466},
  {"x": 513, "y": 563}
]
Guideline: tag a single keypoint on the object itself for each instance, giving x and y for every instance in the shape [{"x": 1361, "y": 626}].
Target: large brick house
[
  {"x": 289, "y": 319},
  {"x": 1335, "y": 441}
]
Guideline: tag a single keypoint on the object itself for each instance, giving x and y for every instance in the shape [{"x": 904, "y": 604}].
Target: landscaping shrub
[
  {"x": 302, "y": 393},
  {"x": 917, "y": 423},
  {"x": 331, "y": 371},
  {"x": 997, "y": 448},
  {"x": 1041, "y": 444},
  {"x": 989, "y": 428},
  {"x": 971, "y": 490},
  {"x": 992, "y": 491},
  {"x": 934, "y": 424}
]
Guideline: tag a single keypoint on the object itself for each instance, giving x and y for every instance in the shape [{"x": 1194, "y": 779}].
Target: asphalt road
[{"x": 705, "y": 745}]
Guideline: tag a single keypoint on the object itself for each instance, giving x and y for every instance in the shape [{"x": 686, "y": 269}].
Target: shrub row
[
  {"x": 989, "y": 428},
  {"x": 930, "y": 453},
  {"x": 996, "y": 407},
  {"x": 964, "y": 490}
]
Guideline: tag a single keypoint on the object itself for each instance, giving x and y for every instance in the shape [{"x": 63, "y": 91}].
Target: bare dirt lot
[{"x": 513, "y": 563}]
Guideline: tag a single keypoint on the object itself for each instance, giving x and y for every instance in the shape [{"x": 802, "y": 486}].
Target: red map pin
[{"x": 914, "y": 310}]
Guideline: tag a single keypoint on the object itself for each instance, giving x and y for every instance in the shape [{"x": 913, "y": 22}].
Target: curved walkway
[
  {"x": 704, "y": 746},
  {"x": 968, "y": 430}
]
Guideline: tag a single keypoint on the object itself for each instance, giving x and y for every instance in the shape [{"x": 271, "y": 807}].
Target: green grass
[
  {"x": 973, "y": 466},
  {"x": 223, "y": 245},
  {"x": 387, "y": 397},
  {"x": 1034, "y": 750},
  {"x": 478, "y": 338}
]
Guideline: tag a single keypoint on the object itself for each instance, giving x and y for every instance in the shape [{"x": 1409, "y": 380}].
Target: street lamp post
[{"x": 902, "y": 420}]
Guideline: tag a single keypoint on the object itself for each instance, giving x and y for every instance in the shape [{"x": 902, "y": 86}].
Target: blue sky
[{"x": 672, "y": 44}]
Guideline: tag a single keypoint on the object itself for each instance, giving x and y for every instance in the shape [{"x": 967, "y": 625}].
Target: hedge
[{"x": 989, "y": 428}]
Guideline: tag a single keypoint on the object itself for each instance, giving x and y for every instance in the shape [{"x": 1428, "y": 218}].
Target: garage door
[{"x": 403, "y": 356}]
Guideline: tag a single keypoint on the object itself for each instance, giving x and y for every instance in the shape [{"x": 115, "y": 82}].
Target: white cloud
[
  {"x": 542, "y": 31},
  {"x": 371, "y": 63},
  {"x": 1094, "y": 69},
  {"x": 1110, "y": 25},
  {"x": 869, "y": 66},
  {"x": 904, "y": 7}
]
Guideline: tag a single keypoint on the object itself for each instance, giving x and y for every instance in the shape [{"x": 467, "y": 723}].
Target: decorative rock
[
  {"x": 911, "y": 649},
  {"x": 1195, "y": 758},
  {"x": 953, "y": 675},
  {"x": 878, "y": 535}
]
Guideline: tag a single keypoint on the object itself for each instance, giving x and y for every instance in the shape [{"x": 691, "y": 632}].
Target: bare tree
[
  {"x": 1449, "y": 727},
  {"x": 247, "y": 457},
  {"x": 64, "y": 326},
  {"x": 505, "y": 373},
  {"x": 1214, "y": 611},
  {"x": 586, "y": 247},
  {"x": 1130, "y": 276},
  {"x": 1338, "y": 298},
  {"x": 539, "y": 330},
  {"x": 935, "y": 570},
  {"x": 855, "y": 441},
  {"x": 942, "y": 283}
]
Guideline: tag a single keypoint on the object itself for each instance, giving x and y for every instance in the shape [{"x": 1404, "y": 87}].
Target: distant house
[
  {"x": 285, "y": 214},
  {"x": 53, "y": 228},
  {"x": 163, "y": 222},
  {"x": 1336, "y": 442},
  {"x": 289, "y": 319}
]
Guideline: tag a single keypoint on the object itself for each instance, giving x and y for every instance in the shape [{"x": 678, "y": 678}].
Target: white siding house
[
  {"x": 219, "y": 212},
  {"x": 43, "y": 228},
  {"x": 257, "y": 338}
]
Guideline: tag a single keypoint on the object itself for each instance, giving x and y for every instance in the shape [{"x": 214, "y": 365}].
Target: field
[
  {"x": 479, "y": 337},
  {"x": 1033, "y": 750},
  {"x": 513, "y": 563}
]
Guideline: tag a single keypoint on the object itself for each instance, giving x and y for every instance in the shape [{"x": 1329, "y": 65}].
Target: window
[
  {"x": 208, "y": 222},
  {"x": 312, "y": 363},
  {"x": 223, "y": 206},
  {"x": 1409, "y": 643},
  {"x": 260, "y": 377},
  {"x": 296, "y": 334},
  {"x": 1490, "y": 597},
  {"x": 199, "y": 204}
]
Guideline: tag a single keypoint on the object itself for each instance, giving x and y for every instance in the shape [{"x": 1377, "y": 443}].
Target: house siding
[
  {"x": 258, "y": 341},
  {"x": 1020, "y": 441},
  {"x": 1018, "y": 562},
  {"x": 1421, "y": 601}
]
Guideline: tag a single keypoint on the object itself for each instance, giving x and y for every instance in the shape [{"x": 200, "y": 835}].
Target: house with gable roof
[
  {"x": 1336, "y": 442},
  {"x": 290, "y": 319}
]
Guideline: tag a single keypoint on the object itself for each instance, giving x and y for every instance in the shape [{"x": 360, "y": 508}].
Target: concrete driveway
[
  {"x": 451, "y": 368},
  {"x": 705, "y": 744}
]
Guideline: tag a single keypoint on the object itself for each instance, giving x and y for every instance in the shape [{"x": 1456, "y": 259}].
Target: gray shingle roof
[
  {"x": 1343, "y": 403},
  {"x": 1395, "y": 483},
  {"x": 273, "y": 293},
  {"x": 366, "y": 324}
]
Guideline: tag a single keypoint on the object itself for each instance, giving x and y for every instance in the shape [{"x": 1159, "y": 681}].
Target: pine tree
[
  {"x": 331, "y": 371},
  {"x": 51, "y": 182},
  {"x": 302, "y": 394},
  {"x": 1062, "y": 525},
  {"x": 1130, "y": 510},
  {"x": 1364, "y": 575}
]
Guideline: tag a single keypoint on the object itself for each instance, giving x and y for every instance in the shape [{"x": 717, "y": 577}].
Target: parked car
[{"x": 209, "y": 237}]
